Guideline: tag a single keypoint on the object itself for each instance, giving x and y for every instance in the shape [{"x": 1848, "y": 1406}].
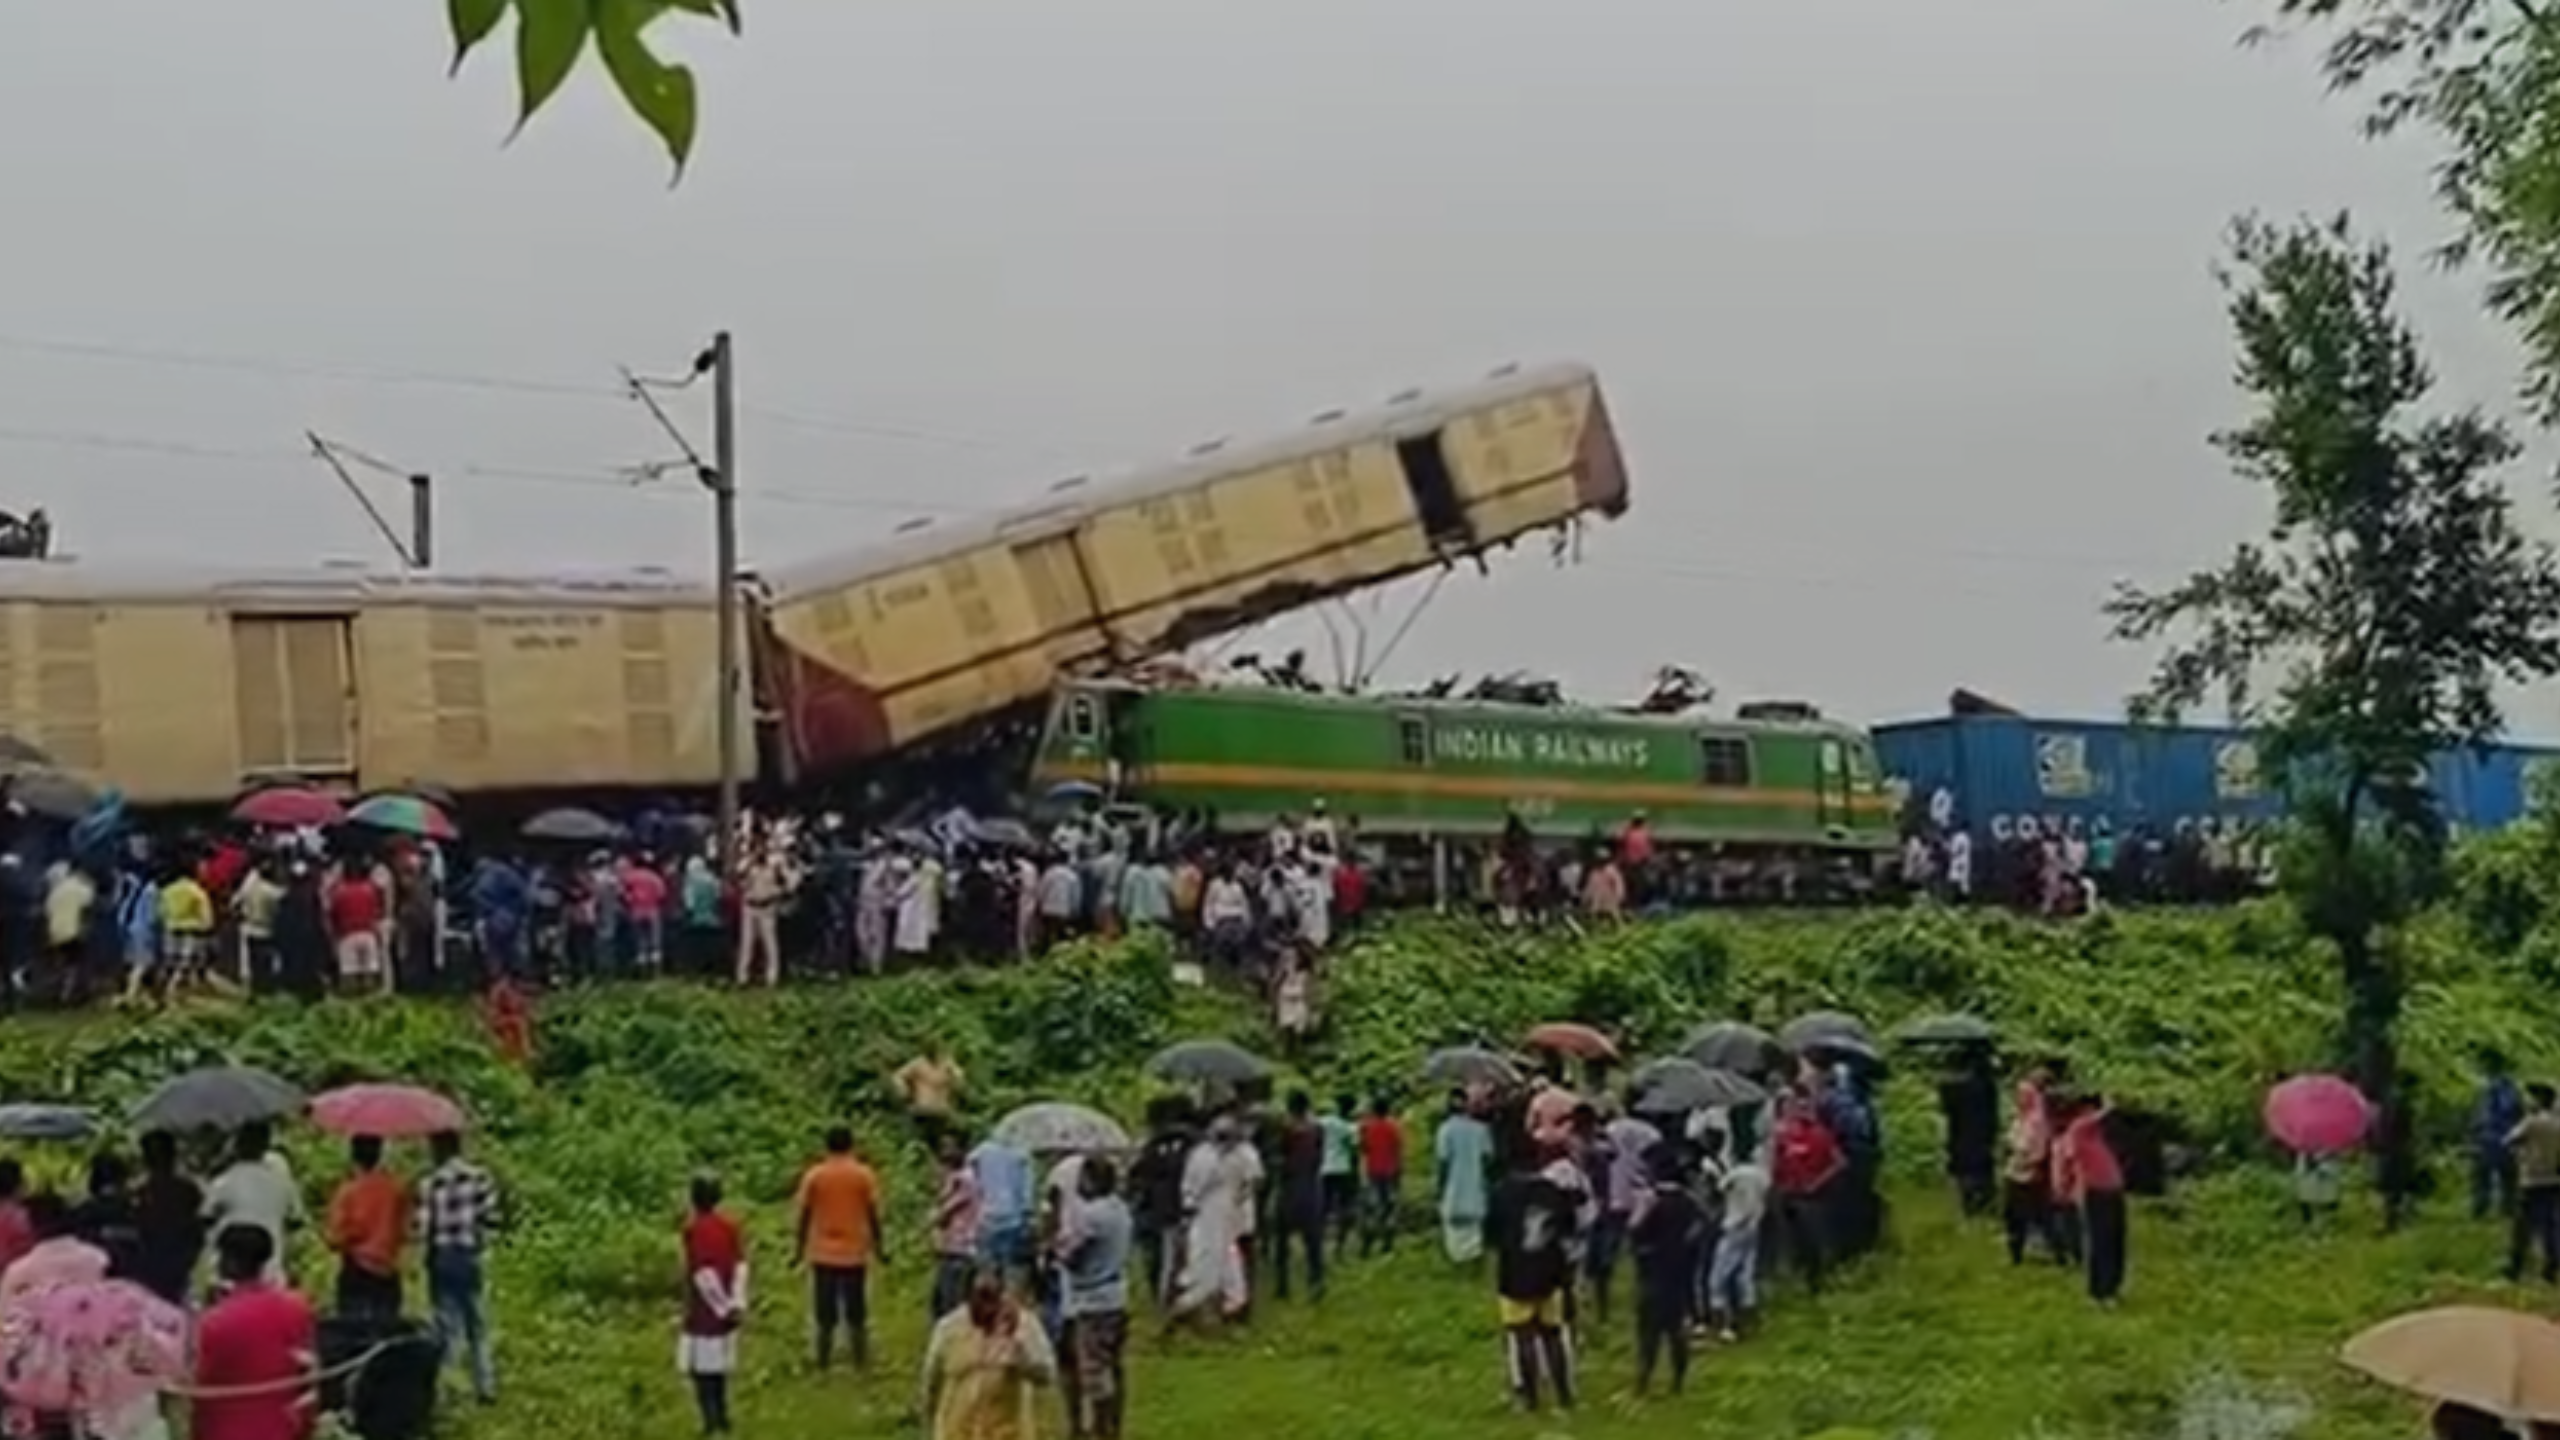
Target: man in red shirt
[
  {"x": 357, "y": 910},
  {"x": 1382, "y": 1176},
  {"x": 1805, "y": 1162},
  {"x": 256, "y": 1349}
]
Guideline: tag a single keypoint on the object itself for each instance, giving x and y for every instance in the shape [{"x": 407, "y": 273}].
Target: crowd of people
[{"x": 236, "y": 1340}]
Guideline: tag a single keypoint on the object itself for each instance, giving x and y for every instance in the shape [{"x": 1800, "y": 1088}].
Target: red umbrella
[
  {"x": 288, "y": 807},
  {"x": 1579, "y": 1041},
  {"x": 2317, "y": 1114},
  {"x": 394, "y": 1112}
]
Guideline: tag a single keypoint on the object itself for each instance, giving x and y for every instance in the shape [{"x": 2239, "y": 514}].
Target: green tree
[
  {"x": 552, "y": 36},
  {"x": 2373, "y": 624},
  {"x": 2484, "y": 75}
]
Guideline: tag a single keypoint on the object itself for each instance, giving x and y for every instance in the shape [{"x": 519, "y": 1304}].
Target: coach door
[
  {"x": 1831, "y": 785},
  {"x": 294, "y": 694}
]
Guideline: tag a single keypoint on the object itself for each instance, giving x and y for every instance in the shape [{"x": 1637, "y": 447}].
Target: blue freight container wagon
[{"x": 1985, "y": 772}]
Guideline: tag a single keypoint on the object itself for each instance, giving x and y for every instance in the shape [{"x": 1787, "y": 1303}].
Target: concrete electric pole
[
  {"x": 723, "y": 481},
  {"x": 719, "y": 475}
]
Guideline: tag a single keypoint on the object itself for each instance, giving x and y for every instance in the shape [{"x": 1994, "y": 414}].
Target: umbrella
[
  {"x": 52, "y": 793},
  {"x": 1579, "y": 1041},
  {"x": 46, "y": 1122},
  {"x": 1823, "y": 1029},
  {"x": 1678, "y": 1085},
  {"x": 1207, "y": 1062},
  {"x": 405, "y": 815},
  {"x": 2501, "y": 1361},
  {"x": 1074, "y": 792},
  {"x": 1056, "y": 1128},
  {"x": 88, "y": 1344},
  {"x": 394, "y": 1112},
  {"x": 288, "y": 807},
  {"x": 584, "y": 827},
  {"x": 221, "y": 1097},
  {"x": 1470, "y": 1065},
  {"x": 1947, "y": 1030},
  {"x": 1011, "y": 834},
  {"x": 1742, "y": 1049},
  {"x": 2317, "y": 1114}
]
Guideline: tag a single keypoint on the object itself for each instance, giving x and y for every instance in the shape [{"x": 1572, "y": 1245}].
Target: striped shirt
[{"x": 457, "y": 1208}]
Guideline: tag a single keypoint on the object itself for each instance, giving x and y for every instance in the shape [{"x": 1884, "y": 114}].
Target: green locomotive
[{"x": 1778, "y": 781}]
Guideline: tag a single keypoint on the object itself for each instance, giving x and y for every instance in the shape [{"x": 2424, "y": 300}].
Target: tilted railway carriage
[
  {"x": 952, "y": 626},
  {"x": 1445, "y": 768},
  {"x": 181, "y": 685}
]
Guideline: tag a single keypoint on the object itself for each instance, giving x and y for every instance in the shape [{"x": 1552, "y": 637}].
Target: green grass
[
  {"x": 1937, "y": 1334},
  {"x": 635, "y": 1088}
]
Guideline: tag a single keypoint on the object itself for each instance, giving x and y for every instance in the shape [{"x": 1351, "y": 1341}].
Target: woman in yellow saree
[{"x": 986, "y": 1367}]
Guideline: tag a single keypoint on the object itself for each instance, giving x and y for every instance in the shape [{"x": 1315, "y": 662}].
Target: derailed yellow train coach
[
  {"x": 948, "y": 626},
  {"x": 182, "y": 685}
]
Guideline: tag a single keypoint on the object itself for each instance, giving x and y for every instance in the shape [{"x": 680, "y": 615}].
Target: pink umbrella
[
  {"x": 288, "y": 807},
  {"x": 96, "y": 1349},
  {"x": 394, "y": 1112},
  {"x": 2317, "y": 1114}
]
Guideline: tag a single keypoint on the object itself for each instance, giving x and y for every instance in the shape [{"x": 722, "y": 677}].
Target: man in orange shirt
[
  {"x": 368, "y": 1228},
  {"x": 839, "y": 1239}
]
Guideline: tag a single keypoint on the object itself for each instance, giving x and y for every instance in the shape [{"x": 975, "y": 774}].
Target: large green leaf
[
  {"x": 472, "y": 20},
  {"x": 550, "y": 36},
  {"x": 725, "y": 11},
  {"x": 660, "y": 93}
]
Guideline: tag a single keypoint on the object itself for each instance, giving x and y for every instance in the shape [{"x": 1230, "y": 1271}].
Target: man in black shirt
[
  {"x": 1298, "y": 1210},
  {"x": 1531, "y": 1222},
  {"x": 1667, "y": 1238}
]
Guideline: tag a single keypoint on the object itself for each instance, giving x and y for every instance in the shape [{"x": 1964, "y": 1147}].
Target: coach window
[
  {"x": 1411, "y": 741},
  {"x": 1083, "y": 721},
  {"x": 1725, "y": 761}
]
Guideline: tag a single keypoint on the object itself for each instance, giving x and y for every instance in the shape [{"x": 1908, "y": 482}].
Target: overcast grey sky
[{"x": 1904, "y": 309}]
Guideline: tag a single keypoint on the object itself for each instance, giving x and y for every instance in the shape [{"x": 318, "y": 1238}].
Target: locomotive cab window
[
  {"x": 1724, "y": 761},
  {"x": 1411, "y": 742},
  {"x": 1084, "y": 720}
]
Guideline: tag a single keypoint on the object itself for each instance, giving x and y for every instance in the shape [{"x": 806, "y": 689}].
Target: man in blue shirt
[
  {"x": 1005, "y": 1184},
  {"x": 2493, "y": 1118}
]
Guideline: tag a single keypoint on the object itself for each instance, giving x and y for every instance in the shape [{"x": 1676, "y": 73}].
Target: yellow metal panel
[
  {"x": 320, "y": 694},
  {"x": 259, "y": 705},
  {"x": 1529, "y": 441},
  {"x": 166, "y": 702}
]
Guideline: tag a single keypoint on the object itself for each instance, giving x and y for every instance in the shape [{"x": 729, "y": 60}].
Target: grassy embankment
[{"x": 635, "y": 1089}]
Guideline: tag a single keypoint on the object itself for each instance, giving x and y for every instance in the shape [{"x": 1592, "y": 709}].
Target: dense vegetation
[{"x": 635, "y": 1088}]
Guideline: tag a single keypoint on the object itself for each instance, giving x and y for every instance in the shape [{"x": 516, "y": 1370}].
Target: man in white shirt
[{"x": 257, "y": 1188}]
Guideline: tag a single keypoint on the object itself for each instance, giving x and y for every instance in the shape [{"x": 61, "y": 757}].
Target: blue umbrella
[{"x": 1067, "y": 792}]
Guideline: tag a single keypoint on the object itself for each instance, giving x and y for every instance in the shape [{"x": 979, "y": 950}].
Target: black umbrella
[
  {"x": 17, "y": 754},
  {"x": 222, "y": 1097},
  {"x": 1947, "y": 1030},
  {"x": 1731, "y": 1045},
  {"x": 1207, "y": 1062},
  {"x": 46, "y": 1122},
  {"x": 51, "y": 793},
  {"x": 582, "y": 827},
  {"x": 1808, "y": 1032},
  {"x": 1470, "y": 1065},
  {"x": 1677, "y": 1086}
]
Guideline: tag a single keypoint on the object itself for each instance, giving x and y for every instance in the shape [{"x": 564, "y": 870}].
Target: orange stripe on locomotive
[{"x": 953, "y": 625}]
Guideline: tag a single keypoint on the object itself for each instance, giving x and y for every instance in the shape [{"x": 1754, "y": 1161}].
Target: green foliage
[
  {"x": 2392, "y": 596},
  {"x": 552, "y": 36},
  {"x": 2484, "y": 77}
]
